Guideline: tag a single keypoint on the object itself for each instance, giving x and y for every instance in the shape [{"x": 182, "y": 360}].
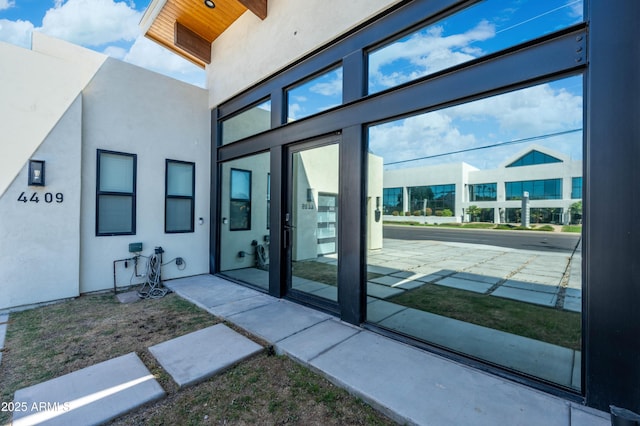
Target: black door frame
[
  {"x": 285, "y": 215},
  {"x": 603, "y": 48}
]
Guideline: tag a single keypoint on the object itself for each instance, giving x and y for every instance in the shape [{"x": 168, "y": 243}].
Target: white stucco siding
[
  {"x": 40, "y": 241},
  {"x": 128, "y": 109},
  {"x": 252, "y": 49},
  {"x": 37, "y": 89}
]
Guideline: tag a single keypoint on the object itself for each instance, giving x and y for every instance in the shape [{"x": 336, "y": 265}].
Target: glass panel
[
  {"x": 247, "y": 123},
  {"x": 244, "y": 231},
  {"x": 116, "y": 173},
  {"x": 483, "y": 192},
  {"x": 515, "y": 302},
  {"x": 392, "y": 201},
  {"x": 179, "y": 215},
  {"x": 314, "y": 221},
  {"x": 180, "y": 179},
  {"x": 314, "y": 96},
  {"x": 241, "y": 184},
  {"x": 477, "y": 31},
  {"x": 576, "y": 187},
  {"x": 114, "y": 212}
]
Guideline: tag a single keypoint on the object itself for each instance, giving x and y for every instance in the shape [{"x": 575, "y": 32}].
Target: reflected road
[{"x": 524, "y": 240}]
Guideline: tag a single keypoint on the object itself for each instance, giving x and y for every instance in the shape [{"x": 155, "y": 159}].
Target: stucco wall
[
  {"x": 129, "y": 109},
  {"x": 31, "y": 105},
  {"x": 252, "y": 49},
  {"x": 40, "y": 240}
]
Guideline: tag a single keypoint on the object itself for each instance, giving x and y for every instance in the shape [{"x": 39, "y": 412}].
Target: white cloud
[
  {"x": 115, "y": 52},
  {"x": 110, "y": 25},
  {"x": 427, "y": 52},
  {"x": 418, "y": 136},
  {"x": 92, "y": 22},
  {"x": 16, "y": 32},
  {"x": 148, "y": 54},
  {"x": 535, "y": 111},
  {"x": 6, "y": 4},
  {"x": 332, "y": 87}
]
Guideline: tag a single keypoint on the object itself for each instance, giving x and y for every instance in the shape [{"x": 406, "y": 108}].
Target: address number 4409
[{"x": 48, "y": 197}]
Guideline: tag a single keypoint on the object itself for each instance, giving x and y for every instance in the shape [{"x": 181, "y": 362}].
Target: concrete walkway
[{"x": 407, "y": 384}]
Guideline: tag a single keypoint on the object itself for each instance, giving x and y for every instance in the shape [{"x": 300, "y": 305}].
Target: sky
[
  {"x": 549, "y": 114},
  {"x": 106, "y": 26}
]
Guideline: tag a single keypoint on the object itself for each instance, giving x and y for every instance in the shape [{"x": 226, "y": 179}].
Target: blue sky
[
  {"x": 550, "y": 113},
  {"x": 106, "y": 26}
]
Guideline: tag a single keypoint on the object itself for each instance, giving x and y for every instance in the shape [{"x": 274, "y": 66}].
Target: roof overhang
[{"x": 188, "y": 27}]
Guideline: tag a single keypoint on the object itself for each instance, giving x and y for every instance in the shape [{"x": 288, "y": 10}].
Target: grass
[
  {"x": 54, "y": 340},
  {"x": 321, "y": 272},
  {"x": 550, "y": 325},
  {"x": 488, "y": 225},
  {"x": 572, "y": 228}
]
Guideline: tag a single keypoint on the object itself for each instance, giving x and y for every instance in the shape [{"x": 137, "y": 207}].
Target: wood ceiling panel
[{"x": 201, "y": 20}]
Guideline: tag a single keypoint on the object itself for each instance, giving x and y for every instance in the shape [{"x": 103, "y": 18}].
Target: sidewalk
[
  {"x": 422, "y": 389},
  {"x": 409, "y": 385}
]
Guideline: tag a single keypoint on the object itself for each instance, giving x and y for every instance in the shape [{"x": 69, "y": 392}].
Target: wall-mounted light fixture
[
  {"x": 210, "y": 4},
  {"x": 36, "y": 173}
]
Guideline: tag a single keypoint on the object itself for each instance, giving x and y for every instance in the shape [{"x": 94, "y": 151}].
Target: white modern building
[
  {"x": 552, "y": 181},
  {"x": 113, "y": 141},
  {"x": 277, "y": 166}
]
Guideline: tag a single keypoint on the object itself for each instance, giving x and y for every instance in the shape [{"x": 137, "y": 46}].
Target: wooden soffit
[{"x": 188, "y": 27}]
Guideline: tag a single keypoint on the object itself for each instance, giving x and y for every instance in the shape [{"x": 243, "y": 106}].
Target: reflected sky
[
  {"x": 487, "y": 132},
  {"x": 482, "y": 29}
]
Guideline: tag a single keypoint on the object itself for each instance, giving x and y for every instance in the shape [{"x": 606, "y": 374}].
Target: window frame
[
  {"x": 167, "y": 196},
  {"x": 100, "y": 193}
]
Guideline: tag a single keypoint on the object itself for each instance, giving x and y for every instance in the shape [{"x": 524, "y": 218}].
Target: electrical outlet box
[
  {"x": 179, "y": 261},
  {"x": 135, "y": 247}
]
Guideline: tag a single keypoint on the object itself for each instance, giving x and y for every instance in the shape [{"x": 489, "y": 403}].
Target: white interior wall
[
  {"x": 251, "y": 49},
  {"x": 129, "y": 109},
  {"x": 236, "y": 241}
]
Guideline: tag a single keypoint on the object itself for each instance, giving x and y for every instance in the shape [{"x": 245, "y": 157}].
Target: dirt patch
[{"x": 54, "y": 340}]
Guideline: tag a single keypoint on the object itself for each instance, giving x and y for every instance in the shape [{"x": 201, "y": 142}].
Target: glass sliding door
[{"x": 311, "y": 221}]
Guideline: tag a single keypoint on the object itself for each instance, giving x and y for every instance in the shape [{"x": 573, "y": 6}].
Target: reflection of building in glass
[{"x": 553, "y": 182}]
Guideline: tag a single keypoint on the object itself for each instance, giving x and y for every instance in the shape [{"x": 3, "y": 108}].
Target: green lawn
[{"x": 550, "y": 325}]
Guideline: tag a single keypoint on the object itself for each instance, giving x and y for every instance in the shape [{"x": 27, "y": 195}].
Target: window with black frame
[
  {"x": 179, "y": 196},
  {"x": 115, "y": 193}
]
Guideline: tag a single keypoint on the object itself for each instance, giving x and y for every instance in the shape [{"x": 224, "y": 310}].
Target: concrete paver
[
  {"x": 93, "y": 395},
  {"x": 276, "y": 321},
  {"x": 426, "y": 389},
  {"x": 313, "y": 341},
  {"x": 408, "y": 384},
  {"x": 199, "y": 355},
  {"x": 464, "y": 284},
  {"x": 522, "y": 295},
  {"x": 383, "y": 291}
]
